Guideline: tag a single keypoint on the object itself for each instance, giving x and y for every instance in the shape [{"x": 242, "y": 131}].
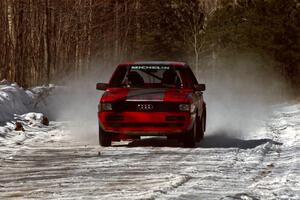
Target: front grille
[
  {"x": 137, "y": 106},
  {"x": 175, "y": 118},
  {"x": 114, "y": 118},
  {"x": 138, "y": 125}
]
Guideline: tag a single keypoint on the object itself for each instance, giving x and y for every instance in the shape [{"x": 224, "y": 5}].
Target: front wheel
[
  {"x": 201, "y": 127},
  {"x": 104, "y": 138},
  {"x": 189, "y": 139}
]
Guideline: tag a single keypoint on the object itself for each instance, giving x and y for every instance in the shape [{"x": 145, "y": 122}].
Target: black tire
[
  {"x": 104, "y": 138},
  {"x": 201, "y": 128},
  {"x": 204, "y": 122},
  {"x": 189, "y": 139}
]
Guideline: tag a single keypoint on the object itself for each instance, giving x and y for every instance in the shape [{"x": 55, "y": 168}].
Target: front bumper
[{"x": 146, "y": 123}]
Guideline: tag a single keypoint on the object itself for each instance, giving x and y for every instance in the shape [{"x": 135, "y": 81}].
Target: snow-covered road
[{"x": 46, "y": 163}]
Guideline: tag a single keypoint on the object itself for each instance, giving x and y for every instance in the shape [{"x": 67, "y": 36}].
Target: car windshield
[{"x": 139, "y": 76}]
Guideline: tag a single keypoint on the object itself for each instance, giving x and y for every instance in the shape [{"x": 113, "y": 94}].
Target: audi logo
[{"x": 145, "y": 107}]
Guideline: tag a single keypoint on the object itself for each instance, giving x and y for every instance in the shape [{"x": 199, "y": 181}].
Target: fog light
[
  {"x": 184, "y": 107},
  {"x": 105, "y": 107}
]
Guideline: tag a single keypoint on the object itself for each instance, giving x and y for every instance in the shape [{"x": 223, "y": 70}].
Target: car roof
[{"x": 174, "y": 63}]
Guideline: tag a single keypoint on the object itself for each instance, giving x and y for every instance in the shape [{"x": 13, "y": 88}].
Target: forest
[{"x": 41, "y": 41}]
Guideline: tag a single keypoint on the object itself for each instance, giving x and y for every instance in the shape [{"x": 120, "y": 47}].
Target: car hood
[{"x": 153, "y": 94}]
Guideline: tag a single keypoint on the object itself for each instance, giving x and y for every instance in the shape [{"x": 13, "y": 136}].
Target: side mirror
[
  {"x": 199, "y": 87},
  {"x": 102, "y": 86}
]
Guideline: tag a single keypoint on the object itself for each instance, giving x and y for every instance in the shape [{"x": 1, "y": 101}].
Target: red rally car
[{"x": 152, "y": 99}]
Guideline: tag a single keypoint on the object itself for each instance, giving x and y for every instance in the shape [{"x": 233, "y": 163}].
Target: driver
[
  {"x": 170, "y": 78},
  {"x": 135, "y": 79}
]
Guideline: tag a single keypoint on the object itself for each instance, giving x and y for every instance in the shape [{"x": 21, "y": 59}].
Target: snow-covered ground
[{"x": 47, "y": 162}]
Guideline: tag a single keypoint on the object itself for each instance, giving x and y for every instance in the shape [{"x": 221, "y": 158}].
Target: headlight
[
  {"x": 105, "y": 107},
  {"x": 185, "y": 107}
]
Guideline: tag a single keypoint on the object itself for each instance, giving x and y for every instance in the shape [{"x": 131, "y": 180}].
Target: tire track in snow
[
  {"x": 141, "y": 173},
  {"x": 79, "y": 171},
  {"x": 282, "y": 180}
]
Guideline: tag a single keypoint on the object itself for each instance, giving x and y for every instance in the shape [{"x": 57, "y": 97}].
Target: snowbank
[
  {"x": 22, "y": 128},
  {"x": 18, "y": 106},
  {"x": 15, "y": 100}
]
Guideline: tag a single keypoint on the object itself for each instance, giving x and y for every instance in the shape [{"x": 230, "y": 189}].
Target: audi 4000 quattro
[{"x": 152, "y": 99}]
